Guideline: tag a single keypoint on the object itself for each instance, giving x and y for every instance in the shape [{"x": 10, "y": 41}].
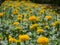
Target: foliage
[{"x": 28, "y": 21}]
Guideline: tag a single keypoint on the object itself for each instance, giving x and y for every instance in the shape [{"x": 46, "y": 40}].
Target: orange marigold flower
[
  {"x": 18, "y": 27},
  {"x": 1, "y": 14},
  {"x": 48, "y": 17},
  {"x": 24, "y": 37},
  {"x": 32, "y": 18},
  {"x": 43, "y": 40},
  {"x": 15, "y": 23},
  {"x": 34, "y": 26},
  {"x": 46, "y": 27},
  {"x": 56, "y": 23},
  {"x": 11, "y": 39},
  {"x": 19, "y": 19},
  {"x": 40, "y": 31}
]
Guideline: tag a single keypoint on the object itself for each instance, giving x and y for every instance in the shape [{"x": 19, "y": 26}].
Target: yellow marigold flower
[
  {"x": 47, "y": 27},
  {"x": 19, "y": 19},
  {"x": 15, "y": 11},
  {"x": 44, "y": 7},
  {"x": 38, "y": 19},
  {"x": 56, "y": 23},
  {"x": 42, "y": 40},
  {"x": 11, "y": 5},
  {"x": 11, "y": 39},
  {"x": 40, "y": 31},
  {"x": 24, "y": 20},
  {"x": 32, "y": 18},
  {"x": 19, "y": 16},
  {"x": 15, "y": 23},
  {"x": 18, "y": 4},
  {"x": 24, "y": 37},
  {"x": 42, "y": 11},
  {"x": 18, "y": 27},
  {"x": 34, "y": 26},
  {"x": 10, "y": 36},
  {"x": 1, "y": 14},
  {"x": 48, "y": 17}
]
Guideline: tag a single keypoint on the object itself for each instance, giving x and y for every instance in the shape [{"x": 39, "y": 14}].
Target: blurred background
[{"x": 53, "y": 2}]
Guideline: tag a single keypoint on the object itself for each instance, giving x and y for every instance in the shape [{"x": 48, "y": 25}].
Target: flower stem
[
  {"x": 24, "y": 43},
  {"x": 18, "y": 43}
]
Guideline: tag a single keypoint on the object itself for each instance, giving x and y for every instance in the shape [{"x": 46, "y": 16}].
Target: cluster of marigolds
[{"x": 31, "y": 17}]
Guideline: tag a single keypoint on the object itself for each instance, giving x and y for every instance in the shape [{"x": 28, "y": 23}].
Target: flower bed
[{"x": 26, "y": 23}]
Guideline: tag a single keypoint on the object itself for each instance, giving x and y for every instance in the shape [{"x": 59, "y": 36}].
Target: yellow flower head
[
  {"x": 19, "y": 16},
  {"x": 10, "y": 36},
  {"x": 40, "y": 31},
  {"x": 41, "y": 11},
  {"x": 18, "y": 4},
  {"x": 44, "y": 7},
  {"x": 11, "y": 5},
  {"x": 24, "y": 37},
  {"x": 48, "y": 17},
  {"x": 46, "y": 27},
  {"x": 56, "y": 23},
  {"x": 18, "y": 27},
  {"x": 15, "y": 11},
  {"x": 1, "y": 14},
  {"x": 34, "y": 26},
  {"x": 32, "y": 18},
  {"x": 15, "y": 23},
  {"x": 11, "y": 39},
  {"x": 42, "y": 40},
  {"x": 19, "y": 19}
]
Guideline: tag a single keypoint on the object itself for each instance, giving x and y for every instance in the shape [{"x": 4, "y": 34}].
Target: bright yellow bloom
[
  {"x": 11, "y": 39},
  {"x": 40, "y": 31},
  {"x": 10, "y": 36},
  {"x": 38, "y": 19},
  {"x": 48, "y": 17},
  {"x": 19, "y": 19},
  {"x": 15, "y": 11},
  {"x": 24, "y": 37},
  {"x": 32, "y": 18},
  {"x": 11, "y": 5},
  {"x": 15, "y": 23},
  {"x": 24, "y": 20},
  {"x": 1, "y": 14},
  {"x": 34, "y": 26},
  {"x": 43, "y": 40},
  {"x": 18, "y": 4},
  {"x": 41, "y": 11},
  {"x": 18, "y": 27},
  {"x": 19, "y": 16},
  {"x": 56, "y": 23},
  {"x": 46, "y": 27},
  {"x": 44, "y": 7}
]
